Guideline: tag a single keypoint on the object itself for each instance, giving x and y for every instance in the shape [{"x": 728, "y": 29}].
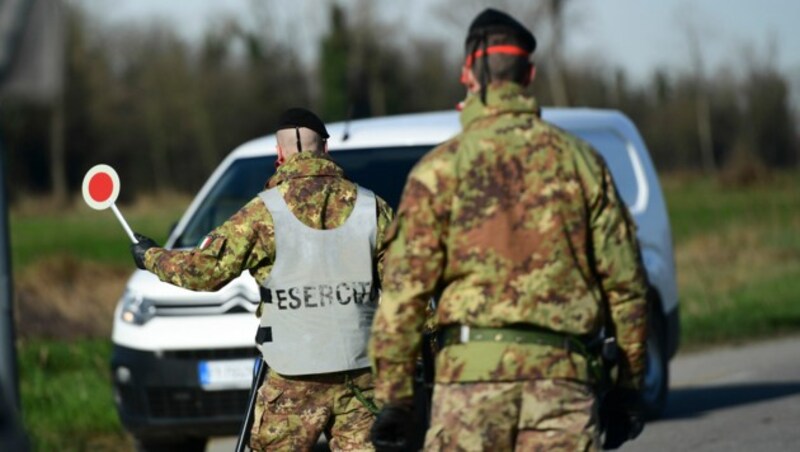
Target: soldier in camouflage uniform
[
  {"x": 516, "y": 228},
  {"x": 294, "y": 408}
]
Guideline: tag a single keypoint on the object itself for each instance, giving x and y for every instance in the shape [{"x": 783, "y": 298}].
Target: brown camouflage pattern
[
  {"x": 292, "y": 412},
  {"x": 317, "y": 193},
  {"x": 512, "y": 221},
  {"x": 536, "y": 415}
]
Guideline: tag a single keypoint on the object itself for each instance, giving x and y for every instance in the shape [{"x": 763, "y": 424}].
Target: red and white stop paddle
[{"x": 100, "y": 190}]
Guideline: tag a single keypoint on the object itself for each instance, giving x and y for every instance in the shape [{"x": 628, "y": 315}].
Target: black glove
[
  {"x": 138, "y": 249},
  {"x": 621, "y": 417},
  {"x": 392, "y": 428}
]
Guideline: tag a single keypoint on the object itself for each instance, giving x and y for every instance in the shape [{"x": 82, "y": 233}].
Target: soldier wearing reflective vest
[
  {"x": 312, "y": 240},
  {"x": 516, "y": 228}
]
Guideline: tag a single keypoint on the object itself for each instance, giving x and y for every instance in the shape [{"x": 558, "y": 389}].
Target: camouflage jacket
[
  {"x": 317, "y": 193},
  {"x": 511, "y": 222}
]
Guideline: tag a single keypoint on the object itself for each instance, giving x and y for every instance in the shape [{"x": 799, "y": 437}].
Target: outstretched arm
[{"x": 221, "y": 256}]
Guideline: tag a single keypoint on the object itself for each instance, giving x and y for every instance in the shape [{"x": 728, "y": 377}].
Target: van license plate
[{"x": 227, "y": 374}]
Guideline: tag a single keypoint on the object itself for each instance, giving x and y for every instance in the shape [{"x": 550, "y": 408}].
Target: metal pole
[
  {"x": 247, "y": 423},
  {"x": 8, "y": 349},
  {"x": 123, "y": 223}
]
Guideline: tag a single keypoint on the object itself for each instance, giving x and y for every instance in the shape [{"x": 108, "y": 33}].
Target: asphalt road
[
  {"x": 739, "y": 398},
  {"x": 734, "y": 398}
]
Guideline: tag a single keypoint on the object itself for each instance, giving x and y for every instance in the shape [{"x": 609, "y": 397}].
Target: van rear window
[
  {"x": 382, "y": 170},
  {"x": 614, "y": 149}
]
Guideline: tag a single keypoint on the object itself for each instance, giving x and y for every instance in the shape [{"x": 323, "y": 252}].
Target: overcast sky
[{"x": 636, "y": 35}]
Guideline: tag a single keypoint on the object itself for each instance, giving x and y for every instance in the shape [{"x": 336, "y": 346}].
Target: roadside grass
[
  {"x": 70, "y": 267},
  {"x": 70, "y": 264},
  {"x": 67, "y": 403},
  {"x": 699, "y": 205},
  {"x": 737, "y": 253},
  {"x": 40, "y": 231}
]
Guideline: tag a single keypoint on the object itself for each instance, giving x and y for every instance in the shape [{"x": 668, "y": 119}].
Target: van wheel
[
  {"x": 656, "y": 375},
  {"x": 169, "y": 445}
]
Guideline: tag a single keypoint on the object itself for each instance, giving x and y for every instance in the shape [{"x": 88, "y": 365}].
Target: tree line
[{"x": 164, "y": 111}]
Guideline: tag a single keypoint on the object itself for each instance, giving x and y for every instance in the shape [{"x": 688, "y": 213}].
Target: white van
[{"x": 182, "y": 360}]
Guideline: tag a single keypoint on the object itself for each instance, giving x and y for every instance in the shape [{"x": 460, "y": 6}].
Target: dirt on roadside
[{"x": 62, "y": 297}]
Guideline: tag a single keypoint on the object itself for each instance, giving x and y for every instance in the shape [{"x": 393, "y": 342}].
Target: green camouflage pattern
[
  {"x": 512, "y": 221},
  {"x": 292, "y": 412},
  {"x": 316, "y": 191},
  {"x": 536, "y": 415}
]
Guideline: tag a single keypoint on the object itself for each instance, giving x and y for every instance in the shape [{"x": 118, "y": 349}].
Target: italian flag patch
[{"x": 205, "y": 242}]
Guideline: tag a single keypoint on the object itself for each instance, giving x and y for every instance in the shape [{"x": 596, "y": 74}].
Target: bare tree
[
  {"x": 702, "y": 103},
  {"x": 555, "y": 12}
]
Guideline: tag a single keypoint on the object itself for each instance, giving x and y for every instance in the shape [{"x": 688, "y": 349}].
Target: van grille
[
  {"x": 212, "y": 354},
  {"x": 234, "y": 305},
  {"x": 194, "y": 403},
  {"x": 131, "y": 399}
]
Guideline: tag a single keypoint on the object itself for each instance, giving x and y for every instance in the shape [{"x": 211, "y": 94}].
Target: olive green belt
[{"x": 462, "y": 334}]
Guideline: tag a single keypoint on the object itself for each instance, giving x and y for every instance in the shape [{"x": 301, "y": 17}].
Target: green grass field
[
  {"x": 737, "y": 255},
  {"x": 38, "y": 232},
  {"x": 66, "y": 395},
  {"x": 738, "y": 258}
]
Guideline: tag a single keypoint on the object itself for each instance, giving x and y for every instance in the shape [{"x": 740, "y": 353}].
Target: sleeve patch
[
  {"x": 212, "y": 245},
  {"x": 205, "y": 242}
]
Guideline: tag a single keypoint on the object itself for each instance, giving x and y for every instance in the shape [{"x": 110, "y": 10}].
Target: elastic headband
[{"x": 506, "y": 49}]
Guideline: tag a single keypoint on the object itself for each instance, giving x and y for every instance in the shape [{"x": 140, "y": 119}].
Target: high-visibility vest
[{"x": 320, "y": 295}]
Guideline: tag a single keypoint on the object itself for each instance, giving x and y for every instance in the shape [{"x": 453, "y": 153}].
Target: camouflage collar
[
  {"x": 501, "y": 97},
  {"x": 305, "y": 164}
]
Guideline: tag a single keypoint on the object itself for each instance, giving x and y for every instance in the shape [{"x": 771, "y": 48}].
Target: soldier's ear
[
  {"x": 468, "y": 79},
  {"x": 531, "y": 75},
  {"x": 279, "y": 161},
  {"x": 325, "y": 146},
  {"x": 464, "y": 75}
]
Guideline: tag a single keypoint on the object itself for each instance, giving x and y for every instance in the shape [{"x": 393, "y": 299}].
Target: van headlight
[{"x": 136, "y": 309}]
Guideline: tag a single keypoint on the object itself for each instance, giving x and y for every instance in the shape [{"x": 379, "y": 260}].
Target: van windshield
[
  {"x": 237, "y": 185},
  {"x": 382, "y": 170}
]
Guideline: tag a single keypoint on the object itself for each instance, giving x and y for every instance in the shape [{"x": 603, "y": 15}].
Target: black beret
[
  {"x": 300, "y": 117},
  {"x": 493, "y": 21}
]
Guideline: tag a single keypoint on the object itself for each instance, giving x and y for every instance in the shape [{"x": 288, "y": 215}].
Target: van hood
[{"x": 147, "y": 285}]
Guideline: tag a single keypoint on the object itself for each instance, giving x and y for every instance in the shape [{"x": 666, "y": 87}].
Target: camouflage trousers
[
  {"x": 535, "y": 415},
  {"x": 292, "y": 412}
]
